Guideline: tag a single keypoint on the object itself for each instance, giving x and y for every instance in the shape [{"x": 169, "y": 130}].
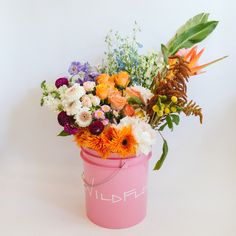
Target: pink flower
[
  {"x": 106, "y": 108},
  {"x": 89, "y": 86},
  {"x": 105, "y": 122},
  {"x": 99, "y": 114}
]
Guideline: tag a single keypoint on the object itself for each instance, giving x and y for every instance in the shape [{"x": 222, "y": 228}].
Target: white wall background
[{"x": 40, "y": 188}]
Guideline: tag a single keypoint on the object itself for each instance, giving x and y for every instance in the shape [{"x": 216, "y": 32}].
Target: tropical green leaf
[
  {"x": 192, "y": 36},
  {"x": 165, "y": 53},
  {"x": 198, "y": 19},
  {"x": 63, "y": 134},
  {"x": 169, "y": 122},
  {"x": 163, "y": 156},
  {"x": 134, "y": 100},
  {"x": 175, "y": 119}
]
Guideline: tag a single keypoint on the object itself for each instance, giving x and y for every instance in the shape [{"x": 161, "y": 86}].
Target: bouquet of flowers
[{"x": 120, "y": 105}]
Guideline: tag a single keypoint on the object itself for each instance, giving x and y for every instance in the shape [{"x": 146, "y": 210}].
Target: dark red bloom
[
  {"x": 70, "y": 129},
  {"x": 96, "y": 127},
  {"x": 63, "y": 118},
  {"x": 61, "y": 81}
]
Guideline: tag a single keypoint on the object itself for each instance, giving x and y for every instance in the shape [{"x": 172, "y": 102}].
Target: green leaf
[
  {"x": 63, "y": 134},
  {"x": 175, "y": 119},
  {"x": 192, "y": 36},
  {"x": 163, "y": 156},
  {"x": 55, "y": 94},
  {"x": 43, "y": 85},
  {"x": 162, "y": 127},
  {"x": 41, "y": 102},
  {"x": 169, "y": 122},
  {"x": 198, "y": 19},
  {"x": 165, "y": 53},
  {"x": 134, "y": 100}
]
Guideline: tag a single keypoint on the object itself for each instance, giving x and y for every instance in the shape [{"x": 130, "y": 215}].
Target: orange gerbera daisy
[
  {"x": 124, "y": 142},
  {"x": 96, "y": 142}
]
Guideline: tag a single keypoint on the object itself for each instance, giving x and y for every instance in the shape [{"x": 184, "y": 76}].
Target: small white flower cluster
[
  {"x": 51, "y": 96},
  {"x": 144, "y": 134},
  {"x": 76, "y": 102}
]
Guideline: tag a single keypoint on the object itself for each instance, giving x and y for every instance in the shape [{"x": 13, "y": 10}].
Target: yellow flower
[
  {"x": 160, "y": 113},
  {"x": 174, "y": 99},
  {"x": 173, "y": 109},
  {"x": 155, "y": 108},
  {"x": 167, "y": 110}
]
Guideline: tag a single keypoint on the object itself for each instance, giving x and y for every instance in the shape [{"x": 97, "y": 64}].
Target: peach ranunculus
[
  {"x": 122, "y": 79},
  {"x": 129, "y": 110},
  {"x": 102, "y": 91},
  {"x": 132, "y": 92},
  {"x": 117, "y": 101}
]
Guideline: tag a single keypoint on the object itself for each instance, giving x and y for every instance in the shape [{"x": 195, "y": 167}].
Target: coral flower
[
  {"x": 122, "y": 79},
  {"x": 129, "y": 110},
  {"x": 125, "y": 143},
  {"x": 102, "y": 91}
]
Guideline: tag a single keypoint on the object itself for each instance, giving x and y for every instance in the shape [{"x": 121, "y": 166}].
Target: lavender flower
[
  {"x": 83, "y": 72},
  {"x": 74, "y": 68},
  {"x": 61, "y": 81}
]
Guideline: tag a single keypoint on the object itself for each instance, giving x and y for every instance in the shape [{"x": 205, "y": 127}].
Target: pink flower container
[{"x": 115, "y": 189}]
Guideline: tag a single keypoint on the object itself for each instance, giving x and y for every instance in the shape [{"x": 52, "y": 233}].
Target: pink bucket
[{"x": 115, "y": 189}]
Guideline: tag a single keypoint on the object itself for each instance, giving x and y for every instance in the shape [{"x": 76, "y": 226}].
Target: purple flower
[
  {"x": 96, "y": 127},
  {"x": 74, "y": 68},
  {"x": 61, "y": 81},
  {"x": 70, "y": 129},
  {"x": 64, "y": 119},
  {"x": 86, "y": 75}
]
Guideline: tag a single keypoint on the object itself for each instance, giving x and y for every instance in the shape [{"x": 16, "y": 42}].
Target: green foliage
[
  {"x": 170, "y": 119},
  {"x": 193, "y": 31},
  {"x": 63, "y": 134},
  {"x": 165, "y": 53},
  {"x": 134, "y": 100},
  {"x": 163, "y": 156},
  {"x": 169, "y": 122}
]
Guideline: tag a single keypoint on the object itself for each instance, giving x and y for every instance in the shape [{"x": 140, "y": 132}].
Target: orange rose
[
  {"x": 129, "y": 110},
  {"x": 102, "y": 91},
  {"x": 102, "y": 78},
  {"x": 117, "y": 101},
  {"x": 122, "y": 79}
]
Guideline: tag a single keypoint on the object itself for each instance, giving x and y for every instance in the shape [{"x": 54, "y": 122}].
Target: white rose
[{"x": 95, "y": 100}]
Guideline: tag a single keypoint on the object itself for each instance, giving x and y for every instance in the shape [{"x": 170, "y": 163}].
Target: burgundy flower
[
  {"x": 61, "y": 81},
  {"x": 70, "y": 129},
  {"x": 96, "y": 127},
  {"x": 63, "y": 118}
]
